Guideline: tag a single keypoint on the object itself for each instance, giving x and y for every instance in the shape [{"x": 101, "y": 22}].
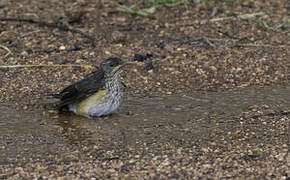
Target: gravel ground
[{"x": 192, "y": 51}]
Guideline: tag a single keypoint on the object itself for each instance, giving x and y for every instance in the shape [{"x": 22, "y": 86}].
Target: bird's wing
[{"x": 81, "y": 89}]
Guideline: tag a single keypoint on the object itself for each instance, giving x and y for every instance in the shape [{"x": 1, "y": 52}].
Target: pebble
[{"x": 62, "y": 48}]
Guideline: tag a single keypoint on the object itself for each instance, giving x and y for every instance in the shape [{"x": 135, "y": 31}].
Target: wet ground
[
  {"x": 215, "y": 134},
  {"x": 212, "y": 101}
]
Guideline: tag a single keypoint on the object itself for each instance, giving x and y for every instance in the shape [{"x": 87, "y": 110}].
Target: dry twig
[
  {"x": 242, "y": 16},
  {"x": 64, "y": 26},
  {"x": 6, "y": 49},
  {"x": 44, "y": 65}
]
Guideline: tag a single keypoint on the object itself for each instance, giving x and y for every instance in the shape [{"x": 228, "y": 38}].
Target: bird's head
[{"x": 113, "y": 65}]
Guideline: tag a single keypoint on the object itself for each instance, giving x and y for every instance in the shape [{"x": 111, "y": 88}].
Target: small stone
[
  {"x": 281, "y": 156},
  {"x": 24, "y": 53},
  {"x": 177, "y": 109},
  {"x": 79, "y": 61},
  {"x": 206, "y": 165},
  {"x": 62, "y": 48},
  {"x": 121, "y": 19},
  {"x": 213, "y": 68}
]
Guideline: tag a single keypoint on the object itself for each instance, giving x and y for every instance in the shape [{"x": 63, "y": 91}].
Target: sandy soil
[{"x": 245, "y": 43}]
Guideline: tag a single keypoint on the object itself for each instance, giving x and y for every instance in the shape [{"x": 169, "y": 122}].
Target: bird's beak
[
  {"x": 125, "y": 63},
  {"x": 129, "y": 62}
]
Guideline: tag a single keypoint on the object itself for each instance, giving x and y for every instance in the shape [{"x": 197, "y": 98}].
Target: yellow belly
[{"x": 83, "y": 107}]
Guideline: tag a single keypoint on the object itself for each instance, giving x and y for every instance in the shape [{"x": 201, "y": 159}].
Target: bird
[{"x": 98, "y": 94}]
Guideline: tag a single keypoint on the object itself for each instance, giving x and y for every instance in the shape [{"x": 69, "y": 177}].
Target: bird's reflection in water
[{"x": 101, "y": 131}]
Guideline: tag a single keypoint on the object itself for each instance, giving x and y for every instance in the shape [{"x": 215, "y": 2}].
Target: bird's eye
[{"x": 112, "y": 65}]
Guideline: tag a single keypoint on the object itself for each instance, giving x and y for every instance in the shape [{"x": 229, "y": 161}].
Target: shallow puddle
[{"x": 139, "y": 122}]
